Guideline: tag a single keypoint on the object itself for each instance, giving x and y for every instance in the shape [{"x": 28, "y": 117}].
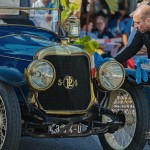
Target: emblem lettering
[
  {"x": 68, "y": 82},
  {"x": 60, "y": 82}
]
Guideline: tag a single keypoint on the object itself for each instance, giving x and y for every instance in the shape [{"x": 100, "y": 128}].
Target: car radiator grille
[{"x": 58, "y": 97}]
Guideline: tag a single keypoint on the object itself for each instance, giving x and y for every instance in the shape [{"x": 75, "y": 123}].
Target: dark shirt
[
  {"x": 134, "y": 44},
  {"x": 105, "y": 35}
]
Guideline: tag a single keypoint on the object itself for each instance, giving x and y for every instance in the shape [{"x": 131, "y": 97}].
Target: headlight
[
  {"x": 111, "y": 75},
  {"x": 40, "y": 74}
]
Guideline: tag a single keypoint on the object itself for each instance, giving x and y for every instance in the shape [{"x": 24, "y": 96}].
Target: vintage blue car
[{"x": 47, "y": 88}]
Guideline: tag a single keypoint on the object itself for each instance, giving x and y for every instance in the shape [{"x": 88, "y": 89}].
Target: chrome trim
[
  {"x": 67, "y": 51},
  {"x": 28, "y": 8},
  {"x": 8, "y": 35},
  {"x": 72, "y": 112},
  {"x": 15, "y": 58},
  {"x": 60, "y": 50},
  {"x": 101, "y": 68},
  {"x": 25, "y": 34},
  {"x": 21, "y": 25},
  {"x": 27, "y": 74},
  {"x": 121, "y": 138}
]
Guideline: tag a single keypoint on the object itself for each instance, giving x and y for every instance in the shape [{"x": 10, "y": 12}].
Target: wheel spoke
[
  {"x": 123, "y": 102},
  {"x": 3, "y": 123}
]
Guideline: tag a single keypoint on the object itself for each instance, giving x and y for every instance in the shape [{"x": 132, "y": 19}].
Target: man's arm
[{"x": 134, "y": 44}]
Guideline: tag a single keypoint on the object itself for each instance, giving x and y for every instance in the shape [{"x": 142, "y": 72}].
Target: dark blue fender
[
  {"x": 11, "y": 76},
  {"x": 131, "y": 76}
]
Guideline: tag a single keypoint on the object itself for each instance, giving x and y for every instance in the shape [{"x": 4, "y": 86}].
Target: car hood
[
  {"x": 28, "y": 30},
  {"x": 22, "y": 46}
]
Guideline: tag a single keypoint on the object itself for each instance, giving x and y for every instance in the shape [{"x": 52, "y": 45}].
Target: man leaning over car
[{"x": 140, "y": 35}]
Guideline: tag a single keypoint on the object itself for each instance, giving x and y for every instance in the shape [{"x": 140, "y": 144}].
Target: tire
[
  {"x": 10, "y": 118},
  {"x": 134, "y": 103},
  {"x": 147, "y": 92}
]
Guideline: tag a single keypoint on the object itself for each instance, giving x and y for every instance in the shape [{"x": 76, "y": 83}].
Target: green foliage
[
  {"x": 72, "y": 7},
  {"x": 69, "y": 9},
  {"x": 112, "y": 5},
  {"x": 89, "y": 45}
]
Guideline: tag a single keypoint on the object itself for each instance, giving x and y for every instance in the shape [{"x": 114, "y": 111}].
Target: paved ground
[{"x": 86, "y": 143}]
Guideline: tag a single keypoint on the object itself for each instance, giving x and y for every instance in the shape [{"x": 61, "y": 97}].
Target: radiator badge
[{"x": 68, "y": 82}]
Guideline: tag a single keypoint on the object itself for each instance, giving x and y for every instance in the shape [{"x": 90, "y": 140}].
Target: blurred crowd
[{"x": 103, "y": 26}]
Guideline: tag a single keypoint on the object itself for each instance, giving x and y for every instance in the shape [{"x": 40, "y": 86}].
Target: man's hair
[
  {"x": 143, "y": 11},
  {"x": 146, "y": 2}
]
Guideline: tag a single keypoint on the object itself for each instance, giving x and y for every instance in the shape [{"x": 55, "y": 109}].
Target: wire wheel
[
  {"x": 121, "y": 100},
  {"x": 3, "y": 123}
]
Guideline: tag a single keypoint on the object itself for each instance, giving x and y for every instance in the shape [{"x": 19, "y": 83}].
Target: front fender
[
  {"x": 11, "y": 76},
  {"x": 131, "y": 76},
  {"x": 130, "y": 73}
]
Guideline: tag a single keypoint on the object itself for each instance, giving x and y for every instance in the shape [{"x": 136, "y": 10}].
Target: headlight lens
[
  {"x": 41, "y": 74},
  {"x": 111, "y": 75}
]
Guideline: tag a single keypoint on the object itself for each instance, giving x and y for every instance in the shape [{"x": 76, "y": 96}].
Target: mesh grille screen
[{"x": 60, "y": 98}]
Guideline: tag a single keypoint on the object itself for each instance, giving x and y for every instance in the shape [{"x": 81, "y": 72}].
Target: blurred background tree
[
  {"x": 74, "y": 6},
  {"x": 71, "y": 7}
]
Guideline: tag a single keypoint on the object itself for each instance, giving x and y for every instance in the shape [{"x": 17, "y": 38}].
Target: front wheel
[
  {"x": 10, "y": 118},
  {"x": 132, "y": 102}
]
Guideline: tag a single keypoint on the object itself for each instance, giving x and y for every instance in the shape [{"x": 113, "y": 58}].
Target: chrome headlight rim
[
  {"x": 102, "y": 68},
  {"x": 28, "y": 71}
]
